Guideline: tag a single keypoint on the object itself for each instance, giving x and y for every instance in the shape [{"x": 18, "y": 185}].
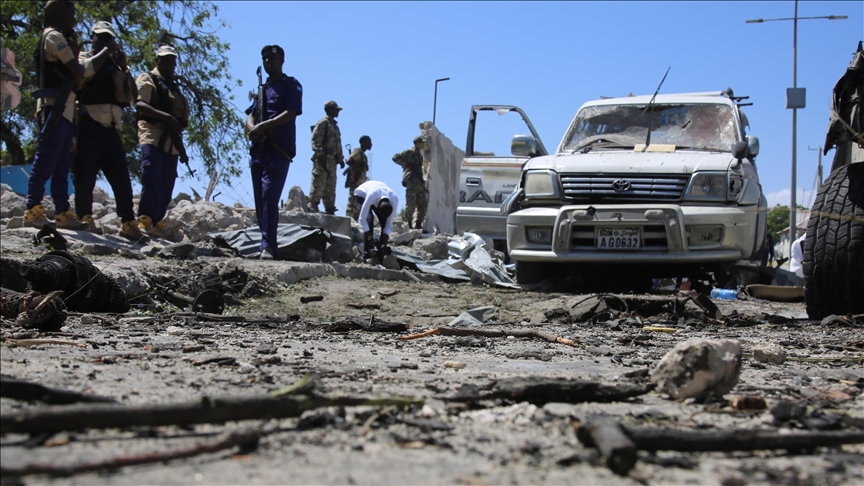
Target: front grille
[{"x": 642, "y": 187}]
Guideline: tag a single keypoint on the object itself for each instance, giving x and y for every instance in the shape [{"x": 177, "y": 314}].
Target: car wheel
[
  {"x": 530, "y": 272},
  {"x": 834, "y": 246}
]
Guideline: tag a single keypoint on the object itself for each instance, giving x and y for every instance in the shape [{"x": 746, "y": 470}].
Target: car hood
[{"x": 681, "y": 162}]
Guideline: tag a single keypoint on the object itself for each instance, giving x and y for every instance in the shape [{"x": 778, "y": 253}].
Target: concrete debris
[
  {"x": 769, "y": 353},
  {"x": 473, "y": 317},
  {"x": 699, "y": 368},
  {"x": 297, "y": 200}
]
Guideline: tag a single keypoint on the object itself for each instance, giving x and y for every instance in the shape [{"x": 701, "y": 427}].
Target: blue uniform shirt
[{"x": 279, "y": 95}]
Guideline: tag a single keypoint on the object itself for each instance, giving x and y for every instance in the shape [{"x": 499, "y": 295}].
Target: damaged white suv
[{"x": 661, "y": 187}]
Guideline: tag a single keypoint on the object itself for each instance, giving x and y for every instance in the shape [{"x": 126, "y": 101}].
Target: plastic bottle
[{"x": 724, "y": 294}]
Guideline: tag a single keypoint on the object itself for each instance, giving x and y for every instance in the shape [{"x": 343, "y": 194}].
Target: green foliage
[
  {"x": 215, "y": 136},
  {"x": 778, "y": 220}
]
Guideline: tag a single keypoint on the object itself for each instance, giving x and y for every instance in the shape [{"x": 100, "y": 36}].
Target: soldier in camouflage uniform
[
  {"x": 416, "y": 195},
  {"x": 358, "y": 166},
  {"x": 326, "y": 154}
]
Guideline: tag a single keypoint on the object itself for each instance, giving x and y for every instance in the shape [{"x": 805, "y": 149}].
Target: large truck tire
[{"x": 834, "y": 247}]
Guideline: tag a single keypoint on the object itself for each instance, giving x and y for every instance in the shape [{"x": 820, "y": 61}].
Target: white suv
[{"x": 667, "y": 187}]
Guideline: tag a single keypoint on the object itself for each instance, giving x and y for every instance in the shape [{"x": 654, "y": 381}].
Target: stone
[
  {"x": 179, "y": 250},
  {"x": 182, "y": 196},
  {"x": 100, "y": 195},
  {"x": 769, "y": 353},
  {"x": 98, "y": 210},
  {"x": 11, "y": 204},
  {"x": 150, "y": 250},
  {"x": 698, "y": 369},
  {"x": 390, "y": 262},
  {"x": 435, "y": 246},
  {"x": 15, "y": 222},
  {"x": 297, "y": 200}
]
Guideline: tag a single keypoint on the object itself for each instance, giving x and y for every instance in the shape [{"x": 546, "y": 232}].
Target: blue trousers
[
  {"x": 100, "y": 148},
  {"x": 52, "y": 160},
  {"x": 158, "y": 173},
  {"x": 269, "y": 170}
]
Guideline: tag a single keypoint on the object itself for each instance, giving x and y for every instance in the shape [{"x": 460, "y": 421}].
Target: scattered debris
[
  {"x": 769, "y": 353},
  {"x": 311, "y": 298},
  {"x": 529, "y": 333},
  {"x": 34, "y": 392},
  {"x": 606, "y": 434},
  {"x": 699, "y": 368},
  {"x": 32, "y": 310},
  {"x": 541, "y": 390}
]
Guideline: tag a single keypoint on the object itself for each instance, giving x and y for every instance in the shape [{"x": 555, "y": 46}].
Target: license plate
[{"x": 619, "y": 238}]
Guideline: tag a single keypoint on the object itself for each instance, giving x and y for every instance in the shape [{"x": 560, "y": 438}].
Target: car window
[
  {"x": 494, "y": 130},
  {"x": 697, "y": 126}
]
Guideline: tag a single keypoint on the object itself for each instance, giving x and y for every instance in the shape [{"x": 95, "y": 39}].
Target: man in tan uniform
[
  {"x": 326, "y": 153},
  {"x": 358, "y": 167},
  {"x": 163, "y": 113}
]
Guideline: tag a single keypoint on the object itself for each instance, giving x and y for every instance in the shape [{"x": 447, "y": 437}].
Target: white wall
[{"x": 442, "y": 174}]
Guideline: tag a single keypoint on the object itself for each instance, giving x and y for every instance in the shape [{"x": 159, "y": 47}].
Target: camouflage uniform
[
  {"x": 327, "y": 153},
  {"x": 359, "y": 165},
  {"x": 416, "y": 195}
]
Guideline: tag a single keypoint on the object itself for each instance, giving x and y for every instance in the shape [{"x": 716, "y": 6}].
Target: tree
[
  {"x": 215, "y": 135},
  {"x": 778, "y": 220}
]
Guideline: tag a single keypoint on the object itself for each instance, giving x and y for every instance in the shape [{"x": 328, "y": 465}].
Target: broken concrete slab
[
  {"x": 769, "y": 353},
  {"x": 699, "y": 368}
]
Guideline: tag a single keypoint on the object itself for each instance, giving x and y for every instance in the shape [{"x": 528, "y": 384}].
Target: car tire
[
  {"x": 834, "y": 247},
  {"x": 530, "y": 272}
]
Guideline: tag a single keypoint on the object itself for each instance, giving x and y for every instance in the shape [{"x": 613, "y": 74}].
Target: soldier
[
  {"x": 358, "y": 166},
  {"x": 375, "y": 197},
  {"x": 326, "y": 153},
  {"x": 163, "y": 113},
  {"x": 273, "y": 144},
  {"x": 108, "y": 87},
  {"x": 59, "y": 74},
  {"x": 416, "y": 195}
]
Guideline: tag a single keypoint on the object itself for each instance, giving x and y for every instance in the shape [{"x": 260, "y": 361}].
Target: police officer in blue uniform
[{"x": 272, "y": 132}]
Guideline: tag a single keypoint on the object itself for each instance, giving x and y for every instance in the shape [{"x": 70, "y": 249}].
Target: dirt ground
[{"x": 153, "y": 357}]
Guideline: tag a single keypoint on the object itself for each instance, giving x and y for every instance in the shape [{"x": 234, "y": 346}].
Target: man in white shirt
[
  {"x": 796, "y": 264},
  {"x": 376, "y": 200}
]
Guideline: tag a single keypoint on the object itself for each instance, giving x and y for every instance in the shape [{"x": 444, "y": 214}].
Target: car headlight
[
  {"x": 541, "y": 183},
  {"x": 707, "y": 186}
]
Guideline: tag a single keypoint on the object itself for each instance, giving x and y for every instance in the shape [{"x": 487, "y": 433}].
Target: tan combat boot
[
  {"x": 155, "y": 231},
  {"x": 69, "y": 220},
  {"x": 35, "y": 217},
  {"x": 130, "y": 231},
  {"x": 89, "y": 220}
]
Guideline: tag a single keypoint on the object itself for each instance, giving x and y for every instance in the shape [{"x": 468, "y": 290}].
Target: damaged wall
[{"x": 445, "y": 159}]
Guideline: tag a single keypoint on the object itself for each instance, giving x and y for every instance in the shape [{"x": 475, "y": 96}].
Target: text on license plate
[{"x": 618, "y": 238}]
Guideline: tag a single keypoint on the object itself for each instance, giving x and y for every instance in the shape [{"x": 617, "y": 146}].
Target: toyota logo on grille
[{"x": 621, "y": 185}]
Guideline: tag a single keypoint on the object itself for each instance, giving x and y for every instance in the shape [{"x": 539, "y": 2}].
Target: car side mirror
[
  {"x": 752, "y": 146},
  {"x": 523, "y": 146},
  {"x": 740, "y": 152}
]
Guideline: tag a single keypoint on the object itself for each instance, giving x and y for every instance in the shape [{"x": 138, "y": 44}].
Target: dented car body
[{"x": 669, "y": 183}]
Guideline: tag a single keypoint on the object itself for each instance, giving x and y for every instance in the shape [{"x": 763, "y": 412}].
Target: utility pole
[
  {"x": 795, "y": 99},
  {"x": 819, "y": 166},
  {"x": 435, "y": 102}
]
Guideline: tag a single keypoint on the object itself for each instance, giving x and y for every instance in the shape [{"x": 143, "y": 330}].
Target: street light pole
[
  {"x": 795, "y": 99},
  {"x": 435, "y": 102}
]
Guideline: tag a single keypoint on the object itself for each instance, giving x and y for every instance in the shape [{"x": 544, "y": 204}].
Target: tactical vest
[
  {"x": 45, "y": 69},
  {"x": 99, "y": 90},
  {"x": 161, "y": 100}
]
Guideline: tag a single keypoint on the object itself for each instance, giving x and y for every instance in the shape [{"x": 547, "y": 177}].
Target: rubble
[
  {"x": 699, "y": 369},
  {"x": 769, "y": 353}
]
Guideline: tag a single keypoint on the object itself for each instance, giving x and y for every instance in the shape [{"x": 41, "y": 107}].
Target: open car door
[{"x": 490, "y": 171}]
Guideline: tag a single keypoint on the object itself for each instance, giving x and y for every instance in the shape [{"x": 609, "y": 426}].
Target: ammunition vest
[
  {"x": 100, "y": 89},
  {"x": 161, "y": 100},
  {"x": 45, "y": 69}
]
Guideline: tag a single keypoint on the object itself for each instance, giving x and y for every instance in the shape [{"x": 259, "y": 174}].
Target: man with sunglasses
[
  {"x": 272, "y": 131},
  {"x": 376, "y": 198},
  {"x": 108, "y": 88}
]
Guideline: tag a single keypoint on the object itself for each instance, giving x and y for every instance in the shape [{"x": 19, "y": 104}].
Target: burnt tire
[
  {"x": 528, "y": 273},
  {"x": 834, "y": 247}
]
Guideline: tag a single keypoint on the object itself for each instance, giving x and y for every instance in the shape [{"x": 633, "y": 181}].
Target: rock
[
  {"x": 98, "y": 249},
  {"x": 127, "y": 253},
  {"x": 182, "y": 196},
  {"x": 11, "y": 204},
  {"x": 297, "y": 200},
  {"x": 150, "y": 250},
  {"x": 98, "y": 210},
  {"x": 390, "y": 262},
  {"x": 130, "y": 279},
  {"x": 179, "y": 250},
  {"x": 769, "y": 353},
  {"x": 456, "y": 365},
  {"x": 435, "y": 246},
  {"x": 15, "y": 222},
  {"x": 110, "y": 223},
  {"x": 406, "y": 239},
  {"x": 100, "y": 195},
  {"x": 699, "y": 368}
]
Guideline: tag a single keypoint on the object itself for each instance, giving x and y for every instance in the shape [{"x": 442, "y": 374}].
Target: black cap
[{"x": 274, "y": 49}]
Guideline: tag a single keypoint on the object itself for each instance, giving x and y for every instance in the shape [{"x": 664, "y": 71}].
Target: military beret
[
  {"x": 274, "y": 49},
  {"x": 419, "y": 139}
]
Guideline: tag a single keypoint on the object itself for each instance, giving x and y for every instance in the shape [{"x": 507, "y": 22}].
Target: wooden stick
[
  {"x": 667, "y": 439},
  {"x": 411, "y": 275},
  {"x": 25, "y": 390},
  {"x": 363, "y": 306},
  {"x": 227, "y": 440},
  {"x": 207, "y": 410},
  {"x": 523, "y": 333},
  {"x": 36, "y": 342},
  {"x": 608, "y": 437},
  {"x": 423, "y": 334}
]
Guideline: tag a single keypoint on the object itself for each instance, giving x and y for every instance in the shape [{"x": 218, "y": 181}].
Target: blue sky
[{"x": 379, "y": 60}]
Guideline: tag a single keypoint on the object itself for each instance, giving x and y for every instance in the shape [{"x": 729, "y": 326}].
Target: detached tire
[
  {"x": 834, "y": 247},
  {"x": 530, "y": 272}
]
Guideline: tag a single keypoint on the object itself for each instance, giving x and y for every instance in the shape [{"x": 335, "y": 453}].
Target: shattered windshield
[{"x": 697, "y": 126}]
